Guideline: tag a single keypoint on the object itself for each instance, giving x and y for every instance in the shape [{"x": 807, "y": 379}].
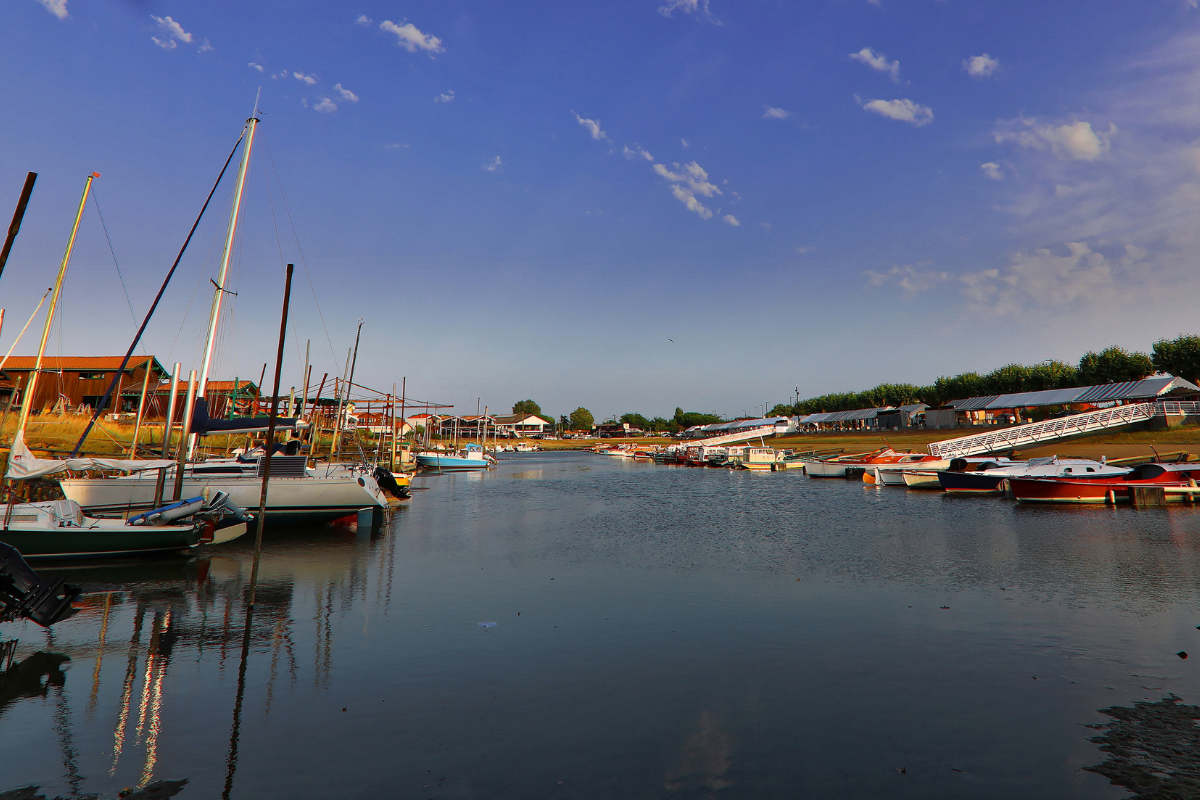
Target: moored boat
[
  {"x": 470, "y": 458},
  {"x": 1178, "y": 483},
  {"x": 989, "y": 476}
]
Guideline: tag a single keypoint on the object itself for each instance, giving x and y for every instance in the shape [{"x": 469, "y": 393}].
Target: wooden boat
[
  {"x": 922, "y": 479},
  {"x": 837, "y": 467},
  {"x": 470, "y": 458},
  {"x": 59, "y": 529},
  {"x": 894, "y": 474},
  {"x": 989, "y": 476},
  {"x": 1177, "y": 482}
]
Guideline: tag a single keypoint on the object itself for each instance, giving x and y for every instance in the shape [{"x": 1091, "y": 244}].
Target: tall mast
[
  {"x": 31, "y": 388},
  {"x": 214, "y": 316}
]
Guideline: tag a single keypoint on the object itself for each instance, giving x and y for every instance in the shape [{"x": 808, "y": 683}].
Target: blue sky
[{"x": 531, "y": 200}]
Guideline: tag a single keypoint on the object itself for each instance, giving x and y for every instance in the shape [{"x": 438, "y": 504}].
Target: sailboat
[
  {"x": 59, "y": 527},
  {"x": 295, "y": 492}
]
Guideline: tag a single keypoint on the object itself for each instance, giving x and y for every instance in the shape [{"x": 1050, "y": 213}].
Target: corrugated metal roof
[
  {"x": 972, "y": 403},
  {"x": 822, "y": 416},
  {"x": 1138, "y": 390},
  {"x": 1046, "y": 397},
  {"x": 911, "y": 407}
]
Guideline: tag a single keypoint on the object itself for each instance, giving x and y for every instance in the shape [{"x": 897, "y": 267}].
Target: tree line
[
  {"x": 582, "y": 420},
  {"x": 1179, "y": 357}
]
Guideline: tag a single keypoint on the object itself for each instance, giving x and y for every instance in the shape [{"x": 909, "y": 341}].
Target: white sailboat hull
[{"x": 315, "y": 499}]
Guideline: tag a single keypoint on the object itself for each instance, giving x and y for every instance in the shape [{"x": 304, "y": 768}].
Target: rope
[
  {"x": 154, "y": 305},
  {"x": 120, "y": 277},
  {"x": 300, "y": 250},
  {"x": 4, "y": 360}
]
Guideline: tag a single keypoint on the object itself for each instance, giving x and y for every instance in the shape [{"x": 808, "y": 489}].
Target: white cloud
[
  {"x": 345, "y": 94},
  {"x": 774, "y": 113},
  {"x": 172, "y": 30},
  {"x": 493, "y": 165},
  {"x": 981, "y": 66},
  {"x": 326, "y": 106},
  {"x": 684, "y": 142},
  {"x": 56, "y": 7},
  {"x": 204, "y": 48},
  {"x": 636, "y": 152},
  {"x": 1042, "y": 278},
  {"x": 878, "y": 61},
  {"x": 1075, "y": 140},
  {"x": 732, "y": 220},
  {"x": 903, "y": 110},
  {"x": 364, "y": 20},
  {"x": 805, "y": 250},
  {"x": 411, "y": 39},
  {"x": 165, "y": 44},
  {"x": 992, "y": 170},
  {"x": 258, "y": 67},
  {"x": 689, "y": 181},
  {"x": 593, "y": 126},
  {"x": 907, "y": 277},
  {"x": 697, "y": 7},
  {"x": 309, "y": 79},
  {"x": 445, "y": 97}
]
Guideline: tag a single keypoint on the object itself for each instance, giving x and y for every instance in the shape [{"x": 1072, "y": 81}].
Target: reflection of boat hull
[
  {"x": 445, "y": 463},
  {"x": 315, "y": 499}
]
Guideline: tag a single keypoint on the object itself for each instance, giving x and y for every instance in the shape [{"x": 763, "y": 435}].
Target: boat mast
[
  {"x": 214, "y": 316},
  {"x": 27, "y": 403}
]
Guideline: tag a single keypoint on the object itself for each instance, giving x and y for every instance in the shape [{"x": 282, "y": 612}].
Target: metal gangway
[
  {"x": 730, "y": 438},
  {"x": 1051, "y": 429}
]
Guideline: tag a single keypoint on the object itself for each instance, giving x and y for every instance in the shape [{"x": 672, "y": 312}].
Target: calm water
[{"x": 659, "y": 632}]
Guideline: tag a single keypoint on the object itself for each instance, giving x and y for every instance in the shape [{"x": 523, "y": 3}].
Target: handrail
[{"x": 1048, "y": 430}]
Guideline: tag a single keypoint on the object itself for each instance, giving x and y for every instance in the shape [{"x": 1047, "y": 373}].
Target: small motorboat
[
  {"x": 842, "y": 466},
  {"x": 59, "y": 529},
  {"x": 1177, "y": 481},
  {"x": 470, "y": 458},
  {"x": 963, "y": 477}
]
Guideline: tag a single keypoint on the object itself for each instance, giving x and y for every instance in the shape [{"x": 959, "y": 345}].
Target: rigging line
[
  {"x": 300, "y": 250},
  {"x": 4, "y": 360},
  {"x": 120, "y": 277},
  {"x": 200, "y": 277},
  {"x": 137, "y": 338},
  {"x": 278, "y": 243}
]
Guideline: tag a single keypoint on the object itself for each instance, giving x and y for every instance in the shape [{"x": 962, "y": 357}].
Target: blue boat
[{"x": 472, "y": 457}]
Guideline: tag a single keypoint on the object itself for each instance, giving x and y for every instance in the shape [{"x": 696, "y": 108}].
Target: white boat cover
[{"x": 23, "y": 465}]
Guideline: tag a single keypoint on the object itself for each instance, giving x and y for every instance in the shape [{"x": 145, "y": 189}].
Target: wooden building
[{"x": 78, "y": 383}]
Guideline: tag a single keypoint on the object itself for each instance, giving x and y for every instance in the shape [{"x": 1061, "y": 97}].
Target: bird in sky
[{"x": 672, "y": 341}]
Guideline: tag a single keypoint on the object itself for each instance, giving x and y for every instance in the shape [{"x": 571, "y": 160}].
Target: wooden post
[
  {"x": 168, "y": 421},
  {"x": 394, "y": 429},
  {"x": 184, "y": 432},
  {"x": 137, "y": 424},
  {"x": 266, "y": 462}
]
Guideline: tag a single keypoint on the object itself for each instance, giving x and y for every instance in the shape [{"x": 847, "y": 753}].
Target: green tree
[
  {"x": 1113, "y": 365},
  {"x": 782, "y": 410},
  {"x": 582, "y": 419},
  {"x": 689, "y": 419},
  {"x": 526, "y": 407},
  {"x": 1179, "y": 356},
  {"x": 661, "y": 424},
  {"x": 636, "y": 421},
  {"x": 564, "y": 424}
]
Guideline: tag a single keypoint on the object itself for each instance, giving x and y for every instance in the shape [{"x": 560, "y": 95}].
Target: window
[
  {"x": 1067, "y": 471},
  {"x": 1089, "y": 469},
  {"x": 92, "y": 376}
]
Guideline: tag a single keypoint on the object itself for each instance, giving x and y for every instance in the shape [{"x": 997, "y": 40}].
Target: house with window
[{"x": 521, "y": 425}]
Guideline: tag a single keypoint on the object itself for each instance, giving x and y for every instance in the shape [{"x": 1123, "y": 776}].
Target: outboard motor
[
  {"x": 220, "y": 502},
  {"x": 387, "y": 482},
  {"x": 23, "y": 593}
]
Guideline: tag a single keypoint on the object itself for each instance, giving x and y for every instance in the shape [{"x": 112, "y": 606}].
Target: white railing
[
  {"x": 729, "y": 438},
  {"x": 1165, "y": 408},
  {"x": 1049, "y": 430}
]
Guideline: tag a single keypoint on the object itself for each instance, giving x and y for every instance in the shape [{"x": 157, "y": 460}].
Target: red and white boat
[{"x": 1178, "y": 482}]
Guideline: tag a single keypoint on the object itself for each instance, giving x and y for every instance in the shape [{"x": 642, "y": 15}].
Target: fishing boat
[
  {"x": 472, "y": 457},
  {"x": 1178, "y": 483},
  {"x": 760, "y": 459},
  {"x": 59, "y": 529},
  {"x": 988, "y": 477}
]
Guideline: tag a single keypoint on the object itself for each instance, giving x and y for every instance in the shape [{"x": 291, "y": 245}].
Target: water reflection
[{"x": 638, "y": 608}]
